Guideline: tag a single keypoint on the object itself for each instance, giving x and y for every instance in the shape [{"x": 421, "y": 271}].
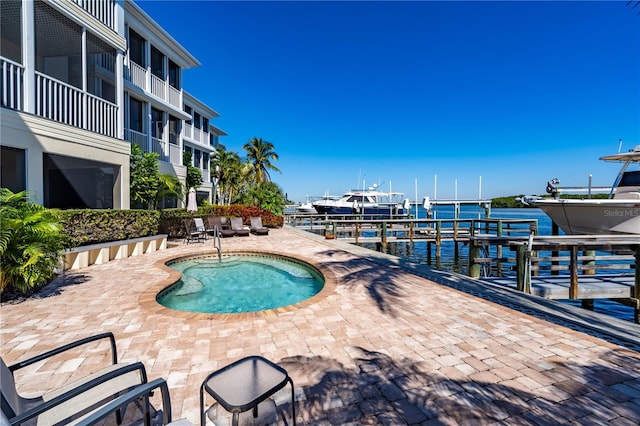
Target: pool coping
[{"x": 147, "y": 299}]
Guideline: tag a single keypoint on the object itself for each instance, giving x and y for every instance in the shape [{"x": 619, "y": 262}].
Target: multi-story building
[{"x": 80, "y": 81}]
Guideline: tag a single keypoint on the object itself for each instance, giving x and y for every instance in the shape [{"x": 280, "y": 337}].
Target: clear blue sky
[{"x": 513, "y": 92}]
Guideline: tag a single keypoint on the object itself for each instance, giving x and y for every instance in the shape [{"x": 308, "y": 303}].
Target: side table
[{"x": 244, "y": 384}]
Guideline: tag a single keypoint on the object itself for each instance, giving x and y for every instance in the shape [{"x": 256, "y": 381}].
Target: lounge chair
[
  {"x": 139, "y": 392},
  {"x": 219, "y": 222},
  {"x": 74, "y": 399},
  {"x": 257, "y": 228},
  {"x": 199, "y": 224},
  {"x": 238, "y": 228},
  {"x": 192, "y": 232}
]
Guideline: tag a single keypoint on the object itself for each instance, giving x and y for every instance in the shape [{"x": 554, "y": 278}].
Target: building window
[
  {"x": 11, "y": 30},
  {"x": 174, "y": 130},
  {"x": 174, "y": 75},
  {"x": 205, "y": 125},
  {"x": 136, "y": 48},
  {"x": 135, "y": 115},
  {"x": 101, "y": 78},
  {"x": 188, "y": 110},
  {"x": 157, "y": 63},
  {"x": 196, "y": 120},
  {"x": 58, "y": 47},
  {"x": 157, "y": 124},
  {"x": 13, "y": 174}
]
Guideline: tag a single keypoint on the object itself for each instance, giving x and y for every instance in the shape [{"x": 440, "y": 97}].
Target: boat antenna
[{"x": 619, "y": 145}]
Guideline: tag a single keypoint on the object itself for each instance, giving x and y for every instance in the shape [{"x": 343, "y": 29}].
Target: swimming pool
[{"x": 240, "y": 283}]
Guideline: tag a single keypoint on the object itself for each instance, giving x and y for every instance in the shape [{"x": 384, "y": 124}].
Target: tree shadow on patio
[
  {"x": 53, "y": 288},
  {"x": 379, "y": 282},
  {"x": 382, "y": 390}
]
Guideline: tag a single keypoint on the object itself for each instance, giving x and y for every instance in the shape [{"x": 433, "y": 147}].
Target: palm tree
[
  {"x": 260, "y": 153},
  {"x": 226, "y": 167}
]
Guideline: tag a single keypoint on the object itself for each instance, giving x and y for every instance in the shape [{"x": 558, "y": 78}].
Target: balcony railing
[
  {"x": 66, "y": 104},
  {"x": 157, "y": 86},
  {"x": 206, "y": 176},
  {"x": 175, "y": 154},
  {"x": 174, "y": 97},
  {"x": 136, "y": 74},
  {"x": 103, "y": 10},
  {"x": 138, "y": 138},
  {"x": 158, "y": 146},
  {"x": 195, "y": 134},
  {"x": 11, "y": 84}
]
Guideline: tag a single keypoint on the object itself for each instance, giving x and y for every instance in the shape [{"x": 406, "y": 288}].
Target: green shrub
[
  {"x": 85, "y": 226},
  {"x": 30, "y": 243},
  {"x": 171, "y": 221}
]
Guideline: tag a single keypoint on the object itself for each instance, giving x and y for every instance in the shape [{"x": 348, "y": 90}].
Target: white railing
[
  {"x": 12, "y": 78},
  {"x": 137, "y": 75},
  {"x": 138, "y": 138},
  {"x": 103, "y": 10},
  {"x": 187, "y": 130},
  {"x": 174, "y": 97},
  {"x": 206, "y": 176},
  {"x": 102, "y": 116},
  {"x": 66, "y": 104},
  {"x": 158, "y": 86},
  {"x": 157, "y": 146},
  {"x": 175, "y": 154}
]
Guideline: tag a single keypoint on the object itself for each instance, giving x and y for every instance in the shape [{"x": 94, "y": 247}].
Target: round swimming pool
[{"x": 240, "y": 283}]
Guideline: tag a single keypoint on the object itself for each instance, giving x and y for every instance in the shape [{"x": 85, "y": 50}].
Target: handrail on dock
[{"x": 582, "y": 256}]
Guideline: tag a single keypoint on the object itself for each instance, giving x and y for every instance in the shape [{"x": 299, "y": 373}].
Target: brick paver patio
[{"x": 382, "y": 346}]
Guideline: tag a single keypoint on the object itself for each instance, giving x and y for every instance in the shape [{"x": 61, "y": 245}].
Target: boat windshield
[{"x": 630, "y": 179}]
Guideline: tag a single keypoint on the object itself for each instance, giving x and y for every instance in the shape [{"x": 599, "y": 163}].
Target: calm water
[
  {"x": 417, "y": 251},
  {"x": 240, "y": 284}
]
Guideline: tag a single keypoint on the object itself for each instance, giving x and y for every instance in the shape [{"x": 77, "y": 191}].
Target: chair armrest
[
  {"x": 86, "y": 395},
  {"x": 59, "y": 350},
  {"x": 134, "y": 394}
]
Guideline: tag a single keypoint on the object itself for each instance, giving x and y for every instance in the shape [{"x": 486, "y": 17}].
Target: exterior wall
[{"x": 39, "y": 136}]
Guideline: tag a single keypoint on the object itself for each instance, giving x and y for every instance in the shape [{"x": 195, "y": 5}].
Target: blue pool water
[{"x": 240, "y": 283}]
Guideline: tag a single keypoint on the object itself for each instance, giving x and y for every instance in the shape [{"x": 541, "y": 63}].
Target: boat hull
[
  {"x": 368, "y": 211},
  {"x": 593, "y": 217}
]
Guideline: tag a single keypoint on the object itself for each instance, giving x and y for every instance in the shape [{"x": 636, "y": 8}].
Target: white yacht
[
  {"x": 369, "y": 202},
  {"x": 619, "y": 214}
]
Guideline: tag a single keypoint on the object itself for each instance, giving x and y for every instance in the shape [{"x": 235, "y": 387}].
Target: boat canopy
[{"x": 633, "y": 155}]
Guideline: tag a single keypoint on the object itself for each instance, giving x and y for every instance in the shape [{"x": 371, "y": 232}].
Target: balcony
[
  {"x": 66, "y": 104},
  {"x": 150, "y": 83},
  {"x": 58, "y": 101},
  {"x": 195, "y": 134},
  {"x": 12, "y": 80},
  {"x": 102, "y": 10}
]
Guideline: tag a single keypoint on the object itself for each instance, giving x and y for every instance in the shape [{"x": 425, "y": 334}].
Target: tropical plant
[
  {"x": 194, "y": 175},
  {"x": 227, "y": 169},
  {"x": 260, "y": 154},
  {"x": 30, "y": 242},
  {"x": 170, "y": 188},
  {"x": 144, "y": 178},
  {"x": 267, "y": 196}
]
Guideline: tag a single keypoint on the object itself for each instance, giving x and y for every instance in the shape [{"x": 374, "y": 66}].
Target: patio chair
[
  {"x": 238, "y": 228},
  {"x": 257, "y": 228},
  {"x": 199, "y": 224},
  {"x": 74, "y": 399},
  {"x": 139, "y": 392},
  {"x": 192, "y": 233},
  {"x": 220, "y": 222}
]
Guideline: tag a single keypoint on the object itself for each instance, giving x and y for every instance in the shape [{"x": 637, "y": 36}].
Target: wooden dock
[
  {"x": 358, "y": 229},
  {"x": 563, "y": 267}
]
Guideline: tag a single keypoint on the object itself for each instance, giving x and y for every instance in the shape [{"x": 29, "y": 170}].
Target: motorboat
[
  {"x": 618, "y": 214},
  {"x": 369, "y": 202}
]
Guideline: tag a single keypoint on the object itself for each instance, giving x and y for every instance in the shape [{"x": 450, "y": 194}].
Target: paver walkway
[{"x": 383, "y": 347}]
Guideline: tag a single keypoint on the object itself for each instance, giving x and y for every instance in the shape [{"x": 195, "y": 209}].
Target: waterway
[{"x": 417, "y": 251}]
